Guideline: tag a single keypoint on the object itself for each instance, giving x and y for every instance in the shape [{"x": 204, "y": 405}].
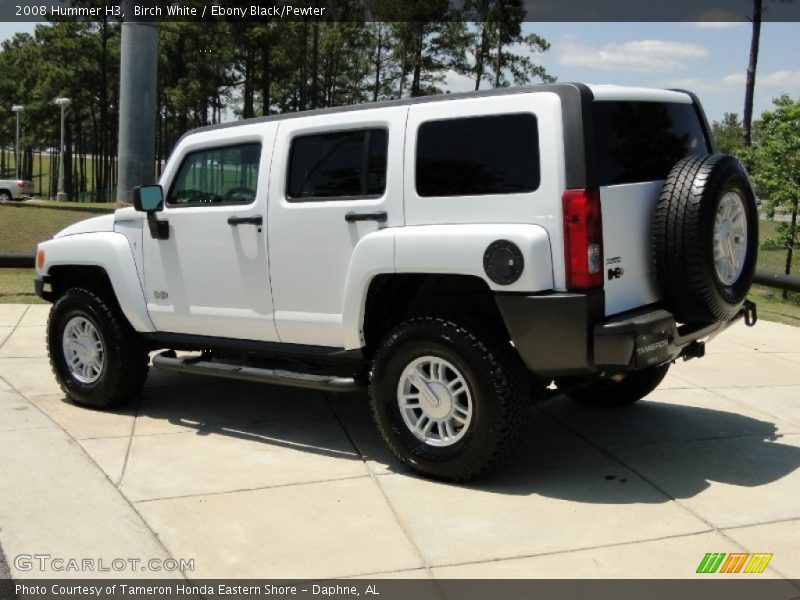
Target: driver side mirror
[{"x": 148, "y": 198}]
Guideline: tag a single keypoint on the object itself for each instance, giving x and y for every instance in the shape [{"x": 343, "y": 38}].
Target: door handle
[
  {"x": 380, "y": 217},
  {"x": 257, "y": 220}
]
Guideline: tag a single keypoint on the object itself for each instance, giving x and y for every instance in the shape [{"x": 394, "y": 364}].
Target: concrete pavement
[{"x": 259, "y": 481}]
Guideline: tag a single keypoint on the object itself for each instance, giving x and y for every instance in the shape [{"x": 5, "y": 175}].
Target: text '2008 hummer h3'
[{"x": 456, "y": 255}]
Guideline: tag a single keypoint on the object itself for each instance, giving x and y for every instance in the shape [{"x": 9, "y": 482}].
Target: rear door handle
[
  {"x": 380, "y": 217},
  {"x": 257, "y": 220}
]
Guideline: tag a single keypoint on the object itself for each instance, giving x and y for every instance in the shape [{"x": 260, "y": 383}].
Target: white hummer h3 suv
[{"x": 456, "y": 255}]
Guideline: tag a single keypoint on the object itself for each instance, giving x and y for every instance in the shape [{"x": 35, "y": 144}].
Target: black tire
[
  {"x": 5, "y": 196},
  {"x": 125, "y": 358},
  {"x": 608, "y": 393},
  {"x": 683, "y": 233},
  {"x": 497, "y": 381}
]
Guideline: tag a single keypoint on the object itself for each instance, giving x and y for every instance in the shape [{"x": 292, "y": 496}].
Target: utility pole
[
  {"x": 17, "y": 108},
  {"x": 137, "y": 102},
  {"x": 61, "y": 196}
]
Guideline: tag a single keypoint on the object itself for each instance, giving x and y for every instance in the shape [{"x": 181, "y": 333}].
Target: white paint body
[
  {"x": 628, "y": 219},
  {"x": 216, "y": 276},
  {"x": 303, "y": 277}
]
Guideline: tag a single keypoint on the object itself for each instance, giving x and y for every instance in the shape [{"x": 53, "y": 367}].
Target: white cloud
[
  {"x": 783, "y": 79},
  {"x": 456, "y": 82},
  {"x": 717, "y": 24},
  {"x": 638, "y": 55},
  {"x": 734, "y": 79}
]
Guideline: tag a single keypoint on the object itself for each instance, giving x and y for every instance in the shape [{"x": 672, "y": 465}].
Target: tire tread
[
  {"x": 511, "y": 392},
  {"x": 129, "y": 374}
]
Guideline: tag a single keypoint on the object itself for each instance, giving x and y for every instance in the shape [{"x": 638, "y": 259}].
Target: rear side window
[
  {"x": 642, "y": 141},
  {"x": 342, "y": 164},
  {"x": 476, "y": 156}
]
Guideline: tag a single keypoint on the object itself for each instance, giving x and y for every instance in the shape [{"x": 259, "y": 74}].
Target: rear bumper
[{"x": 564, "y": 334}]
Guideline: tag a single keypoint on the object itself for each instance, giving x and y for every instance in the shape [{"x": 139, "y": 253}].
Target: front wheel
[
  {"x": 97, "y": 358},
  {"x": 450, "y": 404},
  {"x": 608, "y": 393}
]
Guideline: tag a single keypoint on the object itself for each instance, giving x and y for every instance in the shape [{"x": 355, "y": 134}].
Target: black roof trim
[
  {"x": 558, "y": 88},
  {"x": 576, "y": 116},
  {"x": 702, "y": 116}
]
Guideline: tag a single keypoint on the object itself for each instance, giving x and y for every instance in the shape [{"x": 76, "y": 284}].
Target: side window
[
  {"x": 475, "y": 156},
  {"x": 341, "y": 164},
  {"x": 226, "y": 175}
]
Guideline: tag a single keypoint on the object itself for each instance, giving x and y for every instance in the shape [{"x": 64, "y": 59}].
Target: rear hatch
[{"x": 636, "y": 145}]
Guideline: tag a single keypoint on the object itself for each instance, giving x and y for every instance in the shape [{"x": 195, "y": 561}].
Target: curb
[{"x": 17, "y": 261}]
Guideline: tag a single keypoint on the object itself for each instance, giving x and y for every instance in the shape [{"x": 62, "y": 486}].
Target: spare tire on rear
[{"x": 705, "y": 238}]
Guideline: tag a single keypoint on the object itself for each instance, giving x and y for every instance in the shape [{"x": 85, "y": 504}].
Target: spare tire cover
[{"x": 705, "y": 238}]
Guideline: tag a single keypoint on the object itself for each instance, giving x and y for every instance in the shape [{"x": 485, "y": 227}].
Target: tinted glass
[
  {"x": 478, "y": 155},
  {"x": 340, "y": 164},
  {"x": 641, "y": 141},
  {"x": 217, "y": 176}
]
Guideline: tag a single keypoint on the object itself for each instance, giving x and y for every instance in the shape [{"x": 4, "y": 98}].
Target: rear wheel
[
  {"x": 97, "y": 358},
  {"x": 449, "y": 404},
  {"x": 5, "y": 196},
  {"x": 608, "y": 393}
]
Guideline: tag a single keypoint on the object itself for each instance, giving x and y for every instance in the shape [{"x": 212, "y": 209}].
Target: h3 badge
[{"x": 614, "y": 272}]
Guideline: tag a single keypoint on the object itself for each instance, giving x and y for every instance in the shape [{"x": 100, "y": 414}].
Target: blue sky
[{"x": 707, "y": 58}]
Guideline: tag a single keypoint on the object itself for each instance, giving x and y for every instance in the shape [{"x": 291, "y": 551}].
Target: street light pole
[
  {"x": 17, "y": 108},
  {"x": 61, "y": 196}
]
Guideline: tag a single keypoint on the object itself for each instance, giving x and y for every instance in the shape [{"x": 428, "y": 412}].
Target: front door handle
[
  {"x": 380, "y": 217},
  {"x": 257, "y": 220}
]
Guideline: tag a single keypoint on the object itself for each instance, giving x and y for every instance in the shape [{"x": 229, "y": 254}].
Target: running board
[{"x": 167, "y": 361}]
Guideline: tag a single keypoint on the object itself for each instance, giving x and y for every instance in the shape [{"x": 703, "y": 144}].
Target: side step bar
[{"x": 194, "y": 364}]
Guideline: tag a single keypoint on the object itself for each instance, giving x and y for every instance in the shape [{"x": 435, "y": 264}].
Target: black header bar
[{"x": 396, "y": 10}]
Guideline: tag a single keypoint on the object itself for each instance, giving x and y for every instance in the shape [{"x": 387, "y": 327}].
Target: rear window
[
  {"x": 478, "y": 155},
  {"x": 642, "y": 141}
]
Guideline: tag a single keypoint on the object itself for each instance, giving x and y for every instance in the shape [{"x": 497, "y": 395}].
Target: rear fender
[{"x": 440, "y": 249}]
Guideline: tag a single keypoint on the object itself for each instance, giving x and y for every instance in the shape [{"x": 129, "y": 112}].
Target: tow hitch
[{"x": 750, "y": 314}]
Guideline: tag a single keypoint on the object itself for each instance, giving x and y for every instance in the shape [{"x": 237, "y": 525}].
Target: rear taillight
[
  {"x": 20, "y": 184},
  {"x": 583, "y": 239}
]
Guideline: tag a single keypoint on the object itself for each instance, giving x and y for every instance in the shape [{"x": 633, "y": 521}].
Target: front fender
[
  {"x": 440, "y": 249},
  {"x": 112, "y": 252}
]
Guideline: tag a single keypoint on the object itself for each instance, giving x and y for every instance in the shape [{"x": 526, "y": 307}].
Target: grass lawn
[
  {"x": 42, "y": 175},
  {"x": 772, "y": 307},
  {"x": 23, "y": 224},
  {"x": 16, "y": 287}
]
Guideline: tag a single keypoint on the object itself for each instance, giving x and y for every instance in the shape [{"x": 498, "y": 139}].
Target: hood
[{"x": 95, "y": 224}]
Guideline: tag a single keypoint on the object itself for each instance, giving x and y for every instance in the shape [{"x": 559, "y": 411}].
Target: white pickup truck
[
  {"x": 14, "y": 189},
  {"x": 454, "y": 255}
]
